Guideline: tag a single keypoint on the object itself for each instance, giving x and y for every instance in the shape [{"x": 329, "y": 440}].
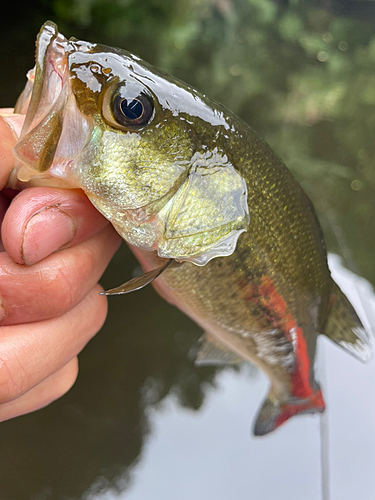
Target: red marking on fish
[
  {"x": 315, "y": 403},
  {"x": 284, "y": 320},
  {"x": 278, "y": 315}
]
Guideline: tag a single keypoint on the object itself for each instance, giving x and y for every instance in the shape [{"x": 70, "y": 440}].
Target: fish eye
[{"x": 128, "y": 105}]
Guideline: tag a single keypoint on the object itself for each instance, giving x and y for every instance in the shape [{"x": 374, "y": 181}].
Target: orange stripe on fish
[
  {"x": 315, "y": 403},
  {"x": 282, "y": 319},
  {"x": 307, "y": 400}
]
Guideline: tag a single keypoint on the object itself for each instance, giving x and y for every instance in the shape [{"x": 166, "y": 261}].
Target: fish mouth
[
  {"x": 54, "y": 130},
  {"x": 49, "y": 76},
  {"x": 43, "y": 102}
]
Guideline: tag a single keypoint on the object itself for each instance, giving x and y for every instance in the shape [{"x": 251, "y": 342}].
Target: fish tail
[
  {"x": 274, "y": 412},
  {"x": 345, "y": 328}
]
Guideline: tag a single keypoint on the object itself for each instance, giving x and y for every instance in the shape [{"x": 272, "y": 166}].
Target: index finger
[{"x": 10, "y": 128}]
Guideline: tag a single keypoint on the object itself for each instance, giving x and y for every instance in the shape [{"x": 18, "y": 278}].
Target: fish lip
[
  {"x": 50, "y": 94},
  {"x": 50, "y": 64}
]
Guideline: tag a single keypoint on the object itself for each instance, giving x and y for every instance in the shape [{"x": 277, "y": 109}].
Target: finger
[
  {"x": 53, "y": 387},
  {"x": 42, "y": 220},
  {"x": 31, "y": 353},
  {"x": 10, "y": 127},
  {"x": 55, "y": 285}
]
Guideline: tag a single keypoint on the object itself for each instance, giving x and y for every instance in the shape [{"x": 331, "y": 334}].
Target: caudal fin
[
  {"x": 345, "y": 328},
  {"x": 274, "y": 413}
]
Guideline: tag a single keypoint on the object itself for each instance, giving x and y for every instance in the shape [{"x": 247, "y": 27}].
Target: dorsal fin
[
  {"x": 345, "y": 328},
  {"x": 213, "y": 353}
]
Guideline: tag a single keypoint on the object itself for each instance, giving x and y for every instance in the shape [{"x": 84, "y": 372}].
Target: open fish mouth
[
  {"x": 47, "y": 78},
  {"x": 47, "y": 100}
]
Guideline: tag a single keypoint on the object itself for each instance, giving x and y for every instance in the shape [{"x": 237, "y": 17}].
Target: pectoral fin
[{"x": 138, "y": 282}]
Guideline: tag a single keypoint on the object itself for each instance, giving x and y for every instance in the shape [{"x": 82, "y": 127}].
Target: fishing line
[
  {"x": 350, "y": 263},
  {"x": 324, "y": 437}
]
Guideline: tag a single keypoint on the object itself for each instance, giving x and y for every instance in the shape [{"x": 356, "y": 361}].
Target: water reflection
[
  {"x": 301, "y": 73},
  {"x": 293, "y": 461},
  {"x": 99, "y": 429}
]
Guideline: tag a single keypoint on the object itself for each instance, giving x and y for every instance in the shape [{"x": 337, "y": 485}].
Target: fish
[{"x": 219, "y": 224}]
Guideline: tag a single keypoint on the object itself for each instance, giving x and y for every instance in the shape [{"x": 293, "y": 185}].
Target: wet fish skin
[
  {"x": 275, "y": 285},
  {"x": 194, "y": 184}
]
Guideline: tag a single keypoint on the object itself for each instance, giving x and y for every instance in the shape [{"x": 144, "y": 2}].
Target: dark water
[{"x": 142, "y": 423}]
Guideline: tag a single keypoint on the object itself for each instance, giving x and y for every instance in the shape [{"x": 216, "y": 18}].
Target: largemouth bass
[{"x": 216, "y": 219}]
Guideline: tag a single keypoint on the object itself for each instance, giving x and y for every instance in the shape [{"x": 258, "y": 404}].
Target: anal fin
[{"x": 214, "y": 353}]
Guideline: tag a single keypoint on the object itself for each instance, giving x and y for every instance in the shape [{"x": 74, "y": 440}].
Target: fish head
[{"x": 148, "y": 151}]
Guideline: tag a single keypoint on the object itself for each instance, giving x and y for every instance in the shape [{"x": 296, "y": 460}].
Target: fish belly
[{"x": 241, "y": 316}]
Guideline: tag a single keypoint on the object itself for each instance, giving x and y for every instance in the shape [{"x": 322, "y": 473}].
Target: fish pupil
[
  {"x": 132, "y": 109},
  {"x": 128, "y": 105}
]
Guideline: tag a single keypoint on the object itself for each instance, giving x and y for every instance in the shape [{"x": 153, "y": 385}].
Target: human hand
[{"x": 50, "y": 305}]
